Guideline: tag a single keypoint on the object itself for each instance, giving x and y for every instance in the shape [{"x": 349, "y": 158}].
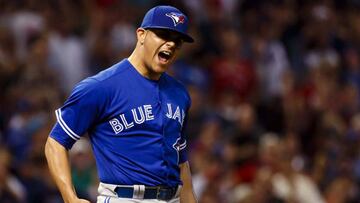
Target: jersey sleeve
[
  {"x": 183, "y": 154},
  {"x": 79, "y": 112}
]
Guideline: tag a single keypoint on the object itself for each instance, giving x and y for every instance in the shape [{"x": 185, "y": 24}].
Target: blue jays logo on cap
[
  {"x": 176, "y": 18},
  {"x": 167, "y": 17}
]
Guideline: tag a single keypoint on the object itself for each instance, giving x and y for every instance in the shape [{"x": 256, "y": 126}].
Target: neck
[{"x": 136, "y": 59}]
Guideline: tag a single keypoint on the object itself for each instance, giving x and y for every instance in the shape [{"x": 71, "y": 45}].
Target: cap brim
[{"x": 186, "y": 37}]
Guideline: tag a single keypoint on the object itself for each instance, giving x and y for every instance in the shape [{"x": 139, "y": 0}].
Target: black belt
[{"x": 159, "y": 192}]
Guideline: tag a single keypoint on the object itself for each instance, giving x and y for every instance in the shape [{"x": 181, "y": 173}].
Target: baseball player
[{"x": 134, "y": 114}]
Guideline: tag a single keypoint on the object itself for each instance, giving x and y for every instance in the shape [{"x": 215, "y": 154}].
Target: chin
[{"x": 160, "y": 68}]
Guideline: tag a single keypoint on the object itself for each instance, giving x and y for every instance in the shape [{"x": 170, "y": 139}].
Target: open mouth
[{"x": 164, "y": 56}]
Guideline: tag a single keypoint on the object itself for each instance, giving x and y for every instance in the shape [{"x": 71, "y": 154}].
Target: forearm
[
  {"x": 58, "y": 161},
  {"x": 187, "y": 193}
]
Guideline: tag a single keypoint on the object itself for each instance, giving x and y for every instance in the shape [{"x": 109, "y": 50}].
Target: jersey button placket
[{"x": 163, "y": 117}]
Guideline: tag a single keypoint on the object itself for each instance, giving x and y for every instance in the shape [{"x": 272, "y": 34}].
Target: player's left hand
[{"x": 80, "y": 201}]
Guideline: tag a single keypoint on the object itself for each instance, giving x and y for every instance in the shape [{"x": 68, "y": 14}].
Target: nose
[
  {"x": 173, "y": 43},
  {"x": 170, "y": 43}
]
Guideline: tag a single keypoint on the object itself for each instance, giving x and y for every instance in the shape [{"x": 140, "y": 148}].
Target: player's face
[{"x": 161, "y": 49}]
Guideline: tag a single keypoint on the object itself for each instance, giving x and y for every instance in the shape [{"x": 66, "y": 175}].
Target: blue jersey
[{"x": 135, "y": 125}]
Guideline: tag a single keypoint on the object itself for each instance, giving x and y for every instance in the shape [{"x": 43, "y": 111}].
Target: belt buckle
[{"x": 164, "y": 193}]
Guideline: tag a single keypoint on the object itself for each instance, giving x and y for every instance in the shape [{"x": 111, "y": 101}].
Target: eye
[
  {"x": 162, "y": 34},
  {"x": 169, "y": 36}
]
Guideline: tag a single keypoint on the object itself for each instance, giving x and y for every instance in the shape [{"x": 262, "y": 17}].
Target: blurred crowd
[{"x": 275, "y": 88}]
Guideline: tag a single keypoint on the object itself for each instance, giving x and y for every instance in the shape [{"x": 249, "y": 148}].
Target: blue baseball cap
[{"x": 167, "y": 17}]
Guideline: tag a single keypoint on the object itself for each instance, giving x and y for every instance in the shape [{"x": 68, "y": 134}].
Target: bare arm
[
  {"x": 59, "y": 165},
  {"x": 187, "y": 194}
]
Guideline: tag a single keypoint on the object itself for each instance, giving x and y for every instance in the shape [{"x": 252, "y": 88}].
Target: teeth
[{"x": 166, "y": 52}]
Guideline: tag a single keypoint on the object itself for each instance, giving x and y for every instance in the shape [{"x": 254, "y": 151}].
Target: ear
[{"x": 141, "y": 34}]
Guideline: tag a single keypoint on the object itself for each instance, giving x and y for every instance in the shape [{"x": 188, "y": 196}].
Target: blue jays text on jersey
[
  {"x": 135, "y": 125},
  {"x": 142, "y": 114}
]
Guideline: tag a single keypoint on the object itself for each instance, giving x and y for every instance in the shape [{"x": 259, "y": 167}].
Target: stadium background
[{"x": 275, "y": 87}]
